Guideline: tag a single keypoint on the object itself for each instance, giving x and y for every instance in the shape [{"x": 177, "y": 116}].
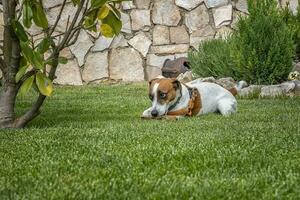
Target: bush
[
  {"x": 262, "y": 47},
  {"x": 212, "y": 59},
  {"x": 260, "y": 51},
  {"x": 293, "y": 22}
]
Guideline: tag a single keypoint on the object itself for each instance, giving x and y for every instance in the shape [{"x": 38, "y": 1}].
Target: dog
[{"x": 173, "y": 99}]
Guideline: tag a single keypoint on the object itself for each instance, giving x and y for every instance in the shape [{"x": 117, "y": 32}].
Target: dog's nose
[{"x": 154, "y": 113}]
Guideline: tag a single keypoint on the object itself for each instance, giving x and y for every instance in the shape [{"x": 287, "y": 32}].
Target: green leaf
[
  {"x": 89, "y": 21},
  {"x": 38, "y": 60},
  {"x": 22, "y": 69},
  {"x": 27, "y": 51},
  {"x": 26, "y": 86},
  {"x": 21, "y": 73},
  {"x": 23, "y": 62},
  {"x": 44, "y": 84},
  {"x": 43, "y": 46},
  {"x": 98, "y": 3},
  {"x": 20, "y": 31},
  {"x": 115, "y": 11},
  {"x": 39, "y": 16},
  {"x": 103, "y": 12},
  {"x": 113, "y": 22},
  {"x": 106, "y": 30},
  {"x": 34, "y": 58},
  {"x": 27, "y": 14},
  {"x": 62, "y": 60},
  {"x": 48, "y": 62}
]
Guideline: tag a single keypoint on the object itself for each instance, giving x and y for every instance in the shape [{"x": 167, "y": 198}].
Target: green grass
[{"x": 89, "y": 143}]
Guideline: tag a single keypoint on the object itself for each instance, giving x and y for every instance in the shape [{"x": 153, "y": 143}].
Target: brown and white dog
[{"x": 171, "y": 98}]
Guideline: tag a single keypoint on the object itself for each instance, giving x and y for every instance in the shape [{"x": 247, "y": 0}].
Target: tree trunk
[
  {"x": 7, "y": 104},
  {"x": 10, "y": 65}
]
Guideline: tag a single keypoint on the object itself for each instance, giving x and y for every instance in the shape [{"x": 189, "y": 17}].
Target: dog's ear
[
  {"x": 151, "y": 81},
  {"x": 154, "y": 79},
  {"x": 176, "y": 84}
]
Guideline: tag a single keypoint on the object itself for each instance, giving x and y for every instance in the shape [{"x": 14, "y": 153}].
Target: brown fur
[
  {"x": 233, "y": 91},
  {"x": 194, "y": 106},
  {"x": 197, "y": 104},
  {"x": 180, "y": 112},
  {"x": 168, "y": 86}
]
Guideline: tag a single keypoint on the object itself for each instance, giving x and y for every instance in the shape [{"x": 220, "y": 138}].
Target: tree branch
[
  {"x": 30, "y": 114},
  {"x": 73, "y": 36},
  {"x": 34, "y": 111},
  {"x": 69, "y": 34},
  {"x": 55, "y": 36},
  {"x": 25, "y": 77},
  {"x": 76, "y": 30},
  {"x": 58, "y": 17},
  {"x": 70, "y": 43},
  {"x": 2, "y": 65},
  {"x": 72, "y": 25}
]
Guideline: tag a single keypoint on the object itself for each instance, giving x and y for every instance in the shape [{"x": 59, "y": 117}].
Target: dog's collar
[
  {"x": 176, "y": 103},
  {"x": 179, "y": 98}
]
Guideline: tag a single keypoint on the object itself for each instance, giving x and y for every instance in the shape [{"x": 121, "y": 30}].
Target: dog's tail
[{"x": 240, "y": 85}]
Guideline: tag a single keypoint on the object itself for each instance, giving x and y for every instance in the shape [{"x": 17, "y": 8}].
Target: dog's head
[{"x": 163, "y": 92}]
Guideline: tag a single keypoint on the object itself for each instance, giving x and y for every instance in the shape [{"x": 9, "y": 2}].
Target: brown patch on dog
[
  {"x": 197, "y": 103},
  {"x": 181, "y": 112},
  {"x": 194, "y": 107},
  {"x": 233, "y": 91},
  {"x": 166, "y": 89}
]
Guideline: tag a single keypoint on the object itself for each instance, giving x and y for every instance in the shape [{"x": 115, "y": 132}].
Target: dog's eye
[
  {"x": 150, "y": 97},
  {"x": 163, "y": 95}
]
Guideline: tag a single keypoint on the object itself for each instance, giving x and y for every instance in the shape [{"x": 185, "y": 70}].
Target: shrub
[
  {"x": 260, "y": 51},
  {"x": 212, "y": 59},
  {"x": 293, "y": 22},
  {"x": 262, "y": 47}
]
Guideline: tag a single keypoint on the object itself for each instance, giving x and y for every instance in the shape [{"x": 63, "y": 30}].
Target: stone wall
[{"x": 153, "y": 30}]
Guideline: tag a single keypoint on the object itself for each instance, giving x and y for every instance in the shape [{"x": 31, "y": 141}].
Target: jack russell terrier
[{"x": 172, "y": 99}]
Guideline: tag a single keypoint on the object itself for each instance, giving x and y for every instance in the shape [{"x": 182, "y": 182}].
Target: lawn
[{"x": 89, "y": 143}]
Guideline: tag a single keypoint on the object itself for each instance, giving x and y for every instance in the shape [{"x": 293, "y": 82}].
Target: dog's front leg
[
  {"x": 178, "y": 114},
  {"x": 173, "y": 117},
  {"x": 181, "y": 112},
  {"x": 147, "y": 114}
]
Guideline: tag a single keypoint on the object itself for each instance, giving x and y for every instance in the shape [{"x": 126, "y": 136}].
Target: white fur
[
  {"x": 214, "y": 98},
  {"x": 161, "y": 108}
]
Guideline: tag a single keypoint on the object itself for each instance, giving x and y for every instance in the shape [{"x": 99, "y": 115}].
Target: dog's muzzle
[{"x": 154, "y": 113}]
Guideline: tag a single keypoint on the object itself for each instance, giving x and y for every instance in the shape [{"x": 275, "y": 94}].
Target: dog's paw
[
  {"x": 146, "y": 114},
  {"x": 145, "y": 117},
  {"x": 172, "y": 117}
]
